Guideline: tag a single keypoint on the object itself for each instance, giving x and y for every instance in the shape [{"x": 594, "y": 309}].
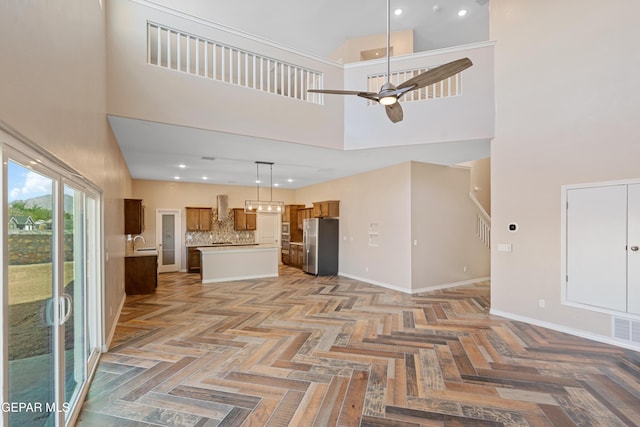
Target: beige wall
[
  {"x": 443, "y": 225},
  {"x": 53, "y": 90},
  {"x": 400, "y": 41},
  {"x": 567, "y": 113},
  {"x": 380, "y": 197},
  {"x": 407, "y": 202},
  {"x": 480, "y": 185}
]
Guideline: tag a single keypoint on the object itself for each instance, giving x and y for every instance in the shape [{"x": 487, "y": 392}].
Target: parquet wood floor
[{"x": 330, "y": 351}]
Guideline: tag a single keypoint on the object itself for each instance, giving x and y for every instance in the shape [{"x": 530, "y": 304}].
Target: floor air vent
[{"x": 626, "y": 329}]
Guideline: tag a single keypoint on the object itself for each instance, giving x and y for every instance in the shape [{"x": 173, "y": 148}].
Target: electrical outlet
[
  {"x": 464, "y": 269},
  {"x": 366, "y": 269},
  {"x": 541, "y": 303}
]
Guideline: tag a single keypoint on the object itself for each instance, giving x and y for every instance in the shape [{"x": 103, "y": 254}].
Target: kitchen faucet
[{"x": 134, "y": 241}]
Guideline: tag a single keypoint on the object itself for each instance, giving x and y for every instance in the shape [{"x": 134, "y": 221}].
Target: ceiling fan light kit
[{"x": 389, "y": 95}]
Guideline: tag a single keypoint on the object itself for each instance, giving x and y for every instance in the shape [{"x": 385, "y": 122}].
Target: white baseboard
[
  {"x": 451, "y": 285},
  {"x": 415, "y": 291},
  {"x": 107, "y": 343},
  {"x": 571, "y": 331}
]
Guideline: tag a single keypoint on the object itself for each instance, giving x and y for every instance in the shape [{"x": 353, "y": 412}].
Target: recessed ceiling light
[
  {"x": 276, "y": 185},
  {"x": 182, "y": 166},
  {"x": 176, "y": 177},
  {"x": 397, "y": 12},
  {"x": 205, "y": 178},
  {"x": 462, "y": 12},
  {"x": 290, "y": 180}
]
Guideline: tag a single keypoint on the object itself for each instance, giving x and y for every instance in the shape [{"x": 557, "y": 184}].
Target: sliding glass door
[
  {"x": 51, "y": 290},
  {"x": 32, "y": 301}
]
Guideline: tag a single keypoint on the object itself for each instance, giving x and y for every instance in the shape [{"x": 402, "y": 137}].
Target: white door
[
  {"x": 596, "y": 246},
  {"x": 167, "y": 238},
  {"x": 268, "y": 229},
  {"x": 633, "y": 254}
]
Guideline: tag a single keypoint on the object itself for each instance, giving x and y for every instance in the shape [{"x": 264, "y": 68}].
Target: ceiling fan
[{"x": 389, "y": 95}]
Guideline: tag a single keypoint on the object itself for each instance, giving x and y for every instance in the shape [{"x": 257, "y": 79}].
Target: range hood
[{"x": 223, "y": 207}]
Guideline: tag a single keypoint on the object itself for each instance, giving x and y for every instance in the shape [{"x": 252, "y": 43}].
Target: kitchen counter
[
  {"x": 238, "y": 262},
  {"x": 211, "y": 245},
  {"x": 143, "y": 252}
]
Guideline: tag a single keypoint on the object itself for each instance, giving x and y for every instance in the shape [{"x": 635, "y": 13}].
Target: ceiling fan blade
[
  {"x": 437, "y": 74},
  {"x": 394, "y": 112},
  {"x": 342, "y": 92}
]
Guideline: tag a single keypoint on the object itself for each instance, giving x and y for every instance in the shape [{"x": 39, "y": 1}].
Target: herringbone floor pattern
[{"x": 330, "y": 351}]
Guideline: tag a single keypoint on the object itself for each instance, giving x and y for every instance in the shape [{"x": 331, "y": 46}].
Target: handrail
[
  {"x": 185, "y": 52},
  {"x": 483, "y": 222},
  {"x": 484, "y": 213},
  {"x": 451, "y": 86}
]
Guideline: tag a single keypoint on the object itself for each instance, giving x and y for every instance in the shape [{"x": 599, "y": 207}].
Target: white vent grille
[{"x": 626, "y": 329}]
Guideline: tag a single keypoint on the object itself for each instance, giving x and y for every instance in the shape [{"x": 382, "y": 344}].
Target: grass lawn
[
  {"x": 29, "y": 289},
  {"x": 32, "y": 282}
]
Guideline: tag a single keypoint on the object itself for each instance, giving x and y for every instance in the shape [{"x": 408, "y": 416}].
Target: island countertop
[{"x": 238, "y": 262}]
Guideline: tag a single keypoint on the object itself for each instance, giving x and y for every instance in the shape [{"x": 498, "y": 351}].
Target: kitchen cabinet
[
  {"x": 326, "y": 209},
  {"x": 291, "y": 212},
  {"x": 193, "y": 260},
  {"x": 290, "y": 216},
  {"x": 198, "y": 219},
  {"x": 295, "y": 255},
  {"x": 302, "y": 215},
  {"x": 243, "y": 221},
  {"x": 140, "y": 274},
  {"x": 133, "y": 216}
]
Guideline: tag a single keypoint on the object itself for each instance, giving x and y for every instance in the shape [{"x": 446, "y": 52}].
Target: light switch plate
[{"x": 504, "y": 247}]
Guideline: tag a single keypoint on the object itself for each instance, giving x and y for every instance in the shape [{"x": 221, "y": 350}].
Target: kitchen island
[{"x": 238, "y": 262}]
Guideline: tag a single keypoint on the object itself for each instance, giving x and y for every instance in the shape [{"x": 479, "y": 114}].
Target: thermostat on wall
[{"x": 513, "y": 227}]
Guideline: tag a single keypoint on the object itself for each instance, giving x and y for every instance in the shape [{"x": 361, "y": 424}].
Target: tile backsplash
[{"x": 221, "y": 231}]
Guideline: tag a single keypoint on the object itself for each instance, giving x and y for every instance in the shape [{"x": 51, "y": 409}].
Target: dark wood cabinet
[
  {"x": 243, "y": 221},
  {"x": 302, "y": 215},
  {"x": 295, "y": 255},
  {"x": 193, "y": 260},
  {"x": 198, "y": 219},
  {"x": 133, "y": 216},
  {"x": 140, "y": 274},
  {"x": 290, "y": 215},
  {"x": 327, "y": 209}
]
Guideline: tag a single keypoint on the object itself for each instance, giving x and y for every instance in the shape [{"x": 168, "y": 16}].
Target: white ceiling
[{"x": 320, "y": 27}]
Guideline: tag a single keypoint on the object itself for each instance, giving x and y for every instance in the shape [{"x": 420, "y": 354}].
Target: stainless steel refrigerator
[{"x": 320, "y": 245}]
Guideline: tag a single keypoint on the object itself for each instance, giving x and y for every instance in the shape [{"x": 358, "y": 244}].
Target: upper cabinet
[
  {"x": 327, "y": 209},
  {"x": 302, "y": 215},
  {"x": 133, "y": 216},
  {"x": 198, "y": 219},
  {"x": 243, "y": 221}
]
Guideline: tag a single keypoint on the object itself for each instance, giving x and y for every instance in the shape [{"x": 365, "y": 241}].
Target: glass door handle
[
  {"x": 634, "y": 248},
  {"x": 65, "y": 308}
]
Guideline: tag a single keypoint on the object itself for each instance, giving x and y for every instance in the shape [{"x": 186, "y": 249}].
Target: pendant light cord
[{"x": 388, "y": 38}]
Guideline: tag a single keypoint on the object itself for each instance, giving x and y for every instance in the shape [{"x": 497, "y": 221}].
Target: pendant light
[{"x": 263, "y": 206}]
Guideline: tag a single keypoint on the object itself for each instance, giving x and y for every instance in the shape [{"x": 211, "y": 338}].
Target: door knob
[{"x": 634, "y": 248}]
